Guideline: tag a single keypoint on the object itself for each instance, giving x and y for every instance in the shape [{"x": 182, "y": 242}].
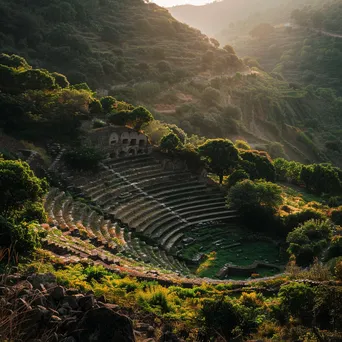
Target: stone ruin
[{"x": 120, "y": 142}]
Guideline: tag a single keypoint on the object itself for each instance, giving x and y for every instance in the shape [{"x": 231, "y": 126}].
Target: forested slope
[{"x": 139, "y": 53}]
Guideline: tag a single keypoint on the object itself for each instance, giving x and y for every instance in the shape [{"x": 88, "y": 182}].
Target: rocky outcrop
[{"x": 36, "y": 308}]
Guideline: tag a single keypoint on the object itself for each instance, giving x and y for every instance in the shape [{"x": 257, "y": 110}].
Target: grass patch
[{"x": 232, "y": 245}]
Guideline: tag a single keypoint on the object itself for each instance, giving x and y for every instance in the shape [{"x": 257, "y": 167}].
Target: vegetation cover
[{"x": 293, "y": 206}]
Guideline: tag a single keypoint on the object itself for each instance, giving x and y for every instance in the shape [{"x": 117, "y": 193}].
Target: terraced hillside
[{"x": 138, "y": 214}]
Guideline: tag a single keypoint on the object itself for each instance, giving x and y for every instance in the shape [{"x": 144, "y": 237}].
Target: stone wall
[{"x": 119, "y": 142}]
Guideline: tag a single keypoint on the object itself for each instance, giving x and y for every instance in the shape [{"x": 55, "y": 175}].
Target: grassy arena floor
[{"x": 224, "y": 241}]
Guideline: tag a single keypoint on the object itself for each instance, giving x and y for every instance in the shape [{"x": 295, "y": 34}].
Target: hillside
[
  {"x": 147, "y": 57},
  {"x": 227, "y": 15},
  {"x": 114, "y": 228}
]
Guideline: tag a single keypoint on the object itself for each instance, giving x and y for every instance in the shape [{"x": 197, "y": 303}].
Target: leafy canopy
[
  {"x": 19, "y": 187},
  {"x": 220, "y": 156}
]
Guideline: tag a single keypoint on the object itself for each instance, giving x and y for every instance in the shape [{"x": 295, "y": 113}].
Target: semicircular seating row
[
  {"x": 157, "y": 203},
  {"x": 81, "y": 230}
]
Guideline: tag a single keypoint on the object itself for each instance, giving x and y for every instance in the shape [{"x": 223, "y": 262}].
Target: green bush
[
  {"x": 84, "y": 158},
  {"x": 309, "y": 240}
]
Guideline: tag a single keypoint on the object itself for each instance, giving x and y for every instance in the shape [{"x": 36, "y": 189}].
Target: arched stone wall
[
  {"x": 125, "y": 138},
  {"x": 113, "y": 139}
]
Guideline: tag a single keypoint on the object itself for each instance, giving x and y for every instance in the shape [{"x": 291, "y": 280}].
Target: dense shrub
[
  {"x": 84, "y": 158},
  {"x": 170, "y": 142},
  {"x": 293, "y": 220},
  {"x": 308, "y": 240}
]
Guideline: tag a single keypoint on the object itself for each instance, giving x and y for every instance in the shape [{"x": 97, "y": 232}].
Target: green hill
[{"x": 137, "y": 52}]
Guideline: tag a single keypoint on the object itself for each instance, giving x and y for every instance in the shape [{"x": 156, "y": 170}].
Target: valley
[{"x": 161, "y": 185}]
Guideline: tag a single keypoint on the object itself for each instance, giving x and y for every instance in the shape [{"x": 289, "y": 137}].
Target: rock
[
  {"x": 63, "y": 311},
  {"x": 71, "y": 292},
  {"x": 105, "y": 325},
  {"x": 57, "y": 293},
  {"x": 55, "y": 318},
  {"x": 69, "y": 325},
  {"x": 113, "y": 307},
  {"x": 45, "y": 279},
  {"x": 86, "y": 303},
  {"x": 39, "y": 300},
  {"x": 101, "y": 299},
  {"x": 169, "y": 337},
  {"x": 146, "y": 328},
  {"x": 71, "y": 301},
  {"x": 45, "y": 313}
]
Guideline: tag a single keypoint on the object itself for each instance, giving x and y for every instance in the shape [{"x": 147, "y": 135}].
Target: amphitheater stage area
[{"x": 150, "y": 213}]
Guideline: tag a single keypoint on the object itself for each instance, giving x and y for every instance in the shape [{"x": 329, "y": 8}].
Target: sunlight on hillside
[{"x": 170, "y": 174}]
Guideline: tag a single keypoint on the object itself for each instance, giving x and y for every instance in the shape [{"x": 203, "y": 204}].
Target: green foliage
[
  {"x": 60, "y": 80},
  {"x": 95, "y": 272},
  {"x": 136, "y": 118},
  {"x": 336, "y": 215},
  {"x": 293, "y": 220},
  {"x": 257, "y": 204},
  {"x": 309, "y": 240},
  {"x": 108, "y": 103},
  {"x": 289, "y": 171},
  {"x": 211, "y": 96},
  {"x": 19, "y": 187},
  {"x": 258, "y": 165},
  {"x": 297, "y": 299},
  {"x": 322, "y": 178},
  {"x": 170, "y": 142},
  {"x": 242, "y": 145},
  {"x": 83, "y": 158},
  {"x": 248, "y": 195},
  {"x": 236, "y": 177},
  {"x": 20, "y": 239},
  {"x": 220, "y": 318},
  {"x": 220, "y": 156},
  {"x": 21, "y": 208}
]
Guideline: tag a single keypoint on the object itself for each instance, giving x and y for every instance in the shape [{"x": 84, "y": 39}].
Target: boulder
[
  {"x": 105, "y": 325},
  {"x": 57, "y": 293},
  {"x": 86, "y": 302},
  {"x": 45, "y": 279}
]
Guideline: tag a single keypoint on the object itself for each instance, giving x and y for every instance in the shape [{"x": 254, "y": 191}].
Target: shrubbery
[{"x": 83, "y": 158}]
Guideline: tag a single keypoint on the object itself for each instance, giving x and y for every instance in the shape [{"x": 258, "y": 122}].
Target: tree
[
  {"x": 258, "y": 164},
  {"x": 19, "y": 187},
  {"x": 211, "y": 96},
  {"x": 107, "y": 103},
  {"x": 60, "y": 80},
  {"x": 242, "y": 145},
  {"x": 220, "y": 156},
  {"x": 170, "y": 142},
  {"x": 14, "y": 61},
  {"x": 220, "y": 318},
  {"x": 135, "y": 118},
  {"x": 36, "y": 79},
  {"x": 215, "y": 42},
  {"x": 247, "y": 196},
  {"x": 297, "y": 299},
  {"x": 229, "y": 49},
  {"x": 84, "y": 158},
  {"x": 140, "y": 116},
  {"x": 308, "y": 240},
  {"x": 236, "y": 177},
  {"x": 322, "y": 178}
]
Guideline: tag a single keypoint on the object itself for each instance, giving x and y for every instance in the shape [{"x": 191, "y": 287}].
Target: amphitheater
[{"x": 135, "y": 214}]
